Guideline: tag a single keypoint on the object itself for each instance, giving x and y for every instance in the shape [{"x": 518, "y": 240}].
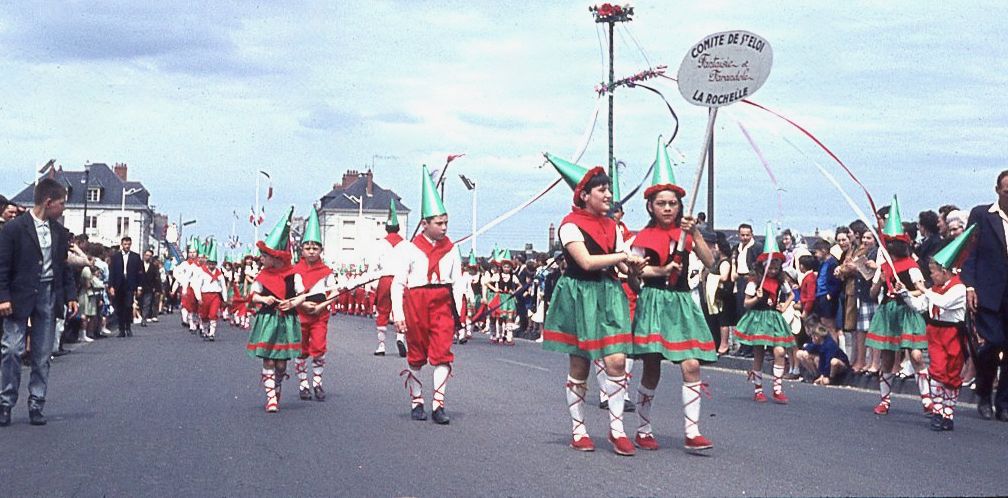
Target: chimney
[
  {"x": 552, "y": 236},
  {"x": 370, "y": 183},
  {"x": 120, "y": 170},
  {"x": 350, "y": 177}
]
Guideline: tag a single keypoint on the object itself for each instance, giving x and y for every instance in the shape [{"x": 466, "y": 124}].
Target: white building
[
  {"x": 352, "y": 216},
  {"x": 115, "y": 207}
]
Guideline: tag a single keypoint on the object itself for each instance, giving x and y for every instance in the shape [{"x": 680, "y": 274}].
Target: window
[
  {"x": 94, "y": 195},
  {"x": 122, "y": 226},
  {"x": 91, "y": 223},
  {"x": 349, "y": 231}
]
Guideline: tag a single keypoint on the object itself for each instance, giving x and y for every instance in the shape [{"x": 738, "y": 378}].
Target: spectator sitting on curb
[{"x": 823, "y": 356}]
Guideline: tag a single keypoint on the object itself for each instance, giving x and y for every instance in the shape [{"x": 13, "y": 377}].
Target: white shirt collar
[{"x": 39, "y": 221}]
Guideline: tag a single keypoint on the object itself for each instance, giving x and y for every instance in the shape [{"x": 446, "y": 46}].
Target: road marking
[{"x": 520, "y": 364}]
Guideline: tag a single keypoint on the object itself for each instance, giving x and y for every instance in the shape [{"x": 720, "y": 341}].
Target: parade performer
[
  {"x": 599, "y": 366},
  {"x": 896, "y": 326},
  {"x": 668, "y": 324},
  {"x": 426, "y": 292},
  {"x": 276, "y": 333},
  {"x": 183, "y": 273},
  {"x": 944, "y": 308},
  {"x": 763, "y": 324},
  {"x": 504, "y": 286},
  {"x": 386, "y": 263},
  {"x": 473, "y": 298},
  {"x": 312, "y": 274},
  {"x": 208, "y": 288},
  {"x": 589, "y": 316},
  {"x": 491, "y": 297}
]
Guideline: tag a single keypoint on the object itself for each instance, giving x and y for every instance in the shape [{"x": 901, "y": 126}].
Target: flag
[
  {"x": 252, "y": 216},
  {"x": 262, "y": 216},
  {"x": 452, "y": 157}
]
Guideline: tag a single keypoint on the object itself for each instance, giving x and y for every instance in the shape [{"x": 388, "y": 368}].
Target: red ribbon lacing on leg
[
  {"x": 643, "y": 400},
  {"x": 272, "y": 400},
  {"x": 925, "y": 396},
  {"x": 755, "y": 378},
  {"x": 580, "y": 399},
  {"x": 440, "y": 388},
  {"x": 409, "y": 375},
  {"x": 885, "y": 397},
  {"x": 620, "y": 386},
  {"x": 316, "y": 375},
  {"x": 701, "y": 390}
]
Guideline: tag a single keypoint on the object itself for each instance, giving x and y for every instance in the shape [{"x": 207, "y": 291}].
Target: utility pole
[{"x": 611, "y": 14}]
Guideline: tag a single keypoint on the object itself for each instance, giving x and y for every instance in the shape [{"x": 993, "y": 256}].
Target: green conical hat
[
  {"x": 472, "y": 258},
  {"x": 393, "y": 216},
  {"x": 570, "y": 172},
  {"x": 495, "y": 253},
  {"x": 770, "y": 248},
  {"x": 430, "y": 201},
  {"x": 507, "y": 256},
  {"x": 280, "y": 234},
  {"x": 212, "y": 253},
  {"x": 894, "y": 222},
  {"x": 614, "y": 188},
  {"x": 949, "y": 255},
  {"x": 312, "y": 231},
  {"x": 663, "y": 177}
]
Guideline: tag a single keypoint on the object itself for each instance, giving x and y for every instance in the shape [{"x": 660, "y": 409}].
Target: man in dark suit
[
  {"x": 150, "y": 285},
  {"x": 124, "y": 278},
  {"x": 743, "y": 258},
  {"x": 35, "y": 283},
  {"x": 985, "y": 274}
]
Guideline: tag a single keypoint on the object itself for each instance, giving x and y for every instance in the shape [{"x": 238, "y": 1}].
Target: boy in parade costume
[
  {"x": 312, "y": 274},
  {"x": 668, "y": 324},
  {"x": 504, "y": 286},
  {"x": 589, "y": 316},
  {"x": 492, "y": 298},
  {"x": 276, "y": 333},
  {"x": 944, "y": 308},
  {"x": 896, "y": 326},
  {"x": 473, "y": 297},
  {"x": 386, "y": 262},
  {"x": 426, "y": 292},
  {"x": 763, "y": 325},
  {"x": 208, "y": 287},
  {"x": 183, "y": 272}
]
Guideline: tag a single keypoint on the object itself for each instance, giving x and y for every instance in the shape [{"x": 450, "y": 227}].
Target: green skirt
[
  {"x": 670, "y": 323},
  {"x": 275, "y": 336},
  {"x": 896, "y": 326},
  {"x": 507, "y": 304},
  {"x": 590, "y": 319},
  {"x": 764, "y": 328}
]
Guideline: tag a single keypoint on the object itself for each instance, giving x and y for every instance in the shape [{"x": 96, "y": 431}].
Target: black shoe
[
  {"x": 1001, "y": 414},
  {"x": 463, "y": 340},
  {"x": 402, "y": 348},
  {"x": 319, "y": 393},
  {"x": 305, "y": 394},
  {"x": 418, "y": 413},
  {"x": 61, "y": 352},
  {"x": 984, "y": 409},
  {"x": 122, "y": 333},
  {"x": 603, "y": 405},
  {"x": 440, "y": 417},
  {"x": 4, "y": 416},
  {"x": 35, "y": 417},
  {"x": 936, "y": 422},
  {"x": 629, "y": 406},
  {"x": 143, "y": 324},
  {"x": 947, "y": 424},
  {"x": 129, "y": 332}
]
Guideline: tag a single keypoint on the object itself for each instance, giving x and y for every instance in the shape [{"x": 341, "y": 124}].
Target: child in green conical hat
[
  {"x": 591, "y": 245},
  {"x": 944, "y": 306},
  {"x": 317, "y": 278},
  {"x": 503, "y": 285},
  {"x": 385, "y": 260},
  {"x": 184, "y": 273},
  {"x": 276, "y": 333},
  {"x": 896, "y": 326},
  {"x": 425, "y": 287},
  {"x": 209, "y": 289}
]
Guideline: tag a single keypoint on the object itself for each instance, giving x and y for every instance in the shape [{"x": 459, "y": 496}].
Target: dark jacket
[
  {"x": 21, "y": 265},
  {"x": 131, "y": 279},
  {"x": 986, "y": 267},
  {"x": 150, "y": 280}
]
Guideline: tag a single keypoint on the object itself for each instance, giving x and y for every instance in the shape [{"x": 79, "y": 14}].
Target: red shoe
[
  {"x": 759, "y": 397},
  {"x": 780, "y": 398},
  {"x": 698, "y": 443},
  {"x": 881, "y": 409},
  {"x": 646, "y": 441},
  {"x": 622, "y": 446},
  {"x": 583, "y": 444},
  {"x": 928, "y": 408}
]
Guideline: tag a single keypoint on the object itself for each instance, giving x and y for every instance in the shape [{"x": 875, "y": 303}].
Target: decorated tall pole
[{"x": 611, "y": 14}]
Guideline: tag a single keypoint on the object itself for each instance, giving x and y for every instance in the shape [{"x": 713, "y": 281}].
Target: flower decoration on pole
[{"x": 611, "y": 13}]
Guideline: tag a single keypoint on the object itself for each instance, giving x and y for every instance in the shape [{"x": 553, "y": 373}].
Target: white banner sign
[{"x": 724, "y": 68}]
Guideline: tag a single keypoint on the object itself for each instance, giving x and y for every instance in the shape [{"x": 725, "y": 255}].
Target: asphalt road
[{"x": 163, "y": 413}]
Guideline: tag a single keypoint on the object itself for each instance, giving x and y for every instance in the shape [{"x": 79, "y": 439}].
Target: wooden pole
[
  {"x": 710, "y": 182},
  {"x": 708, "y": 135},
  {"x": 612, "y": 78}
]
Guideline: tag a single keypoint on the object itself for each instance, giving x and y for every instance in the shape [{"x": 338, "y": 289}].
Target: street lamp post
[
  {"x": 86, "y": 181},
  {"x": 471, "y": 186},
  {"x": 122, "y": 210}
]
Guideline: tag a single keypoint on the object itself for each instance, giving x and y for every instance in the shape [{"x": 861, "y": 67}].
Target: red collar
[
  {"x": 311, "y": 274},
  {"x": 394, "y": 239},
  {"x": 661, "y": 240},
  {"x": 601, "y": 229},
  {"x": 434, "y": 253}
]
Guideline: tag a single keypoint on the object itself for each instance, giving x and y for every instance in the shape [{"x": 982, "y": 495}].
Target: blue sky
[{"x": 197, "y": 97}]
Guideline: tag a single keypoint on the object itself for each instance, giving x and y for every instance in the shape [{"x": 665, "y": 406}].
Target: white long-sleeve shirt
[
  {"x": 411, "y": 272},
  {"x": 183, "y": 273},
  {"x": 946, "y": 304},
  {"x": 385, "y": 258},
  {"x": 205, "y": 283}
]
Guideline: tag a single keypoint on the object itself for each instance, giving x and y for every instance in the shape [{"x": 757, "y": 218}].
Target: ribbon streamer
[
  {"x": 496, "y": 221},
  {"x": 770, "y": 173}
]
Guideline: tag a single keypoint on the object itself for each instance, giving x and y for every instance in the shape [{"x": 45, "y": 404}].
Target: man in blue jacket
[
  {"x": 35, "y": 283},
  {"x": 985, "y": 274}
]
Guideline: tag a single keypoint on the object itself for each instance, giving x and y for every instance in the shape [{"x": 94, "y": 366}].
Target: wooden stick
[{"x": 703, "y": 156}]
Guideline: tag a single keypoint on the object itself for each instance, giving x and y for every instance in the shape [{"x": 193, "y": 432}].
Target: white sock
[
  {"x": 778, "y": 374},
  {"x": 757, "y": 379},
  {"x": 938, "y": 395},
  {"x": 616, "y": 389},
  {"x": 381, "y": 337},
  {"x": 885, "y": 387},
  {"x": 924, "y": 386},
  {"x": 301, "y": 369},
  {"x": 576, "y": 390},
  {"x": 600, "y": 376},
  {"x": 414, "y": 387},
  {"x": 951, "y": 398},
  {"x": 629, "y": 375},
  {"x": 193, "y": 322},
  {"x": 213, "y": 327},
  {"x": 185, "y": 315},
  {"x": 691, "y": 407},
  {"x": 400, "y": 337},
  {"x": 441, "y": 374},
  {"x": 644, "y": 398},
  {"x": 318, "y": 366}
]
